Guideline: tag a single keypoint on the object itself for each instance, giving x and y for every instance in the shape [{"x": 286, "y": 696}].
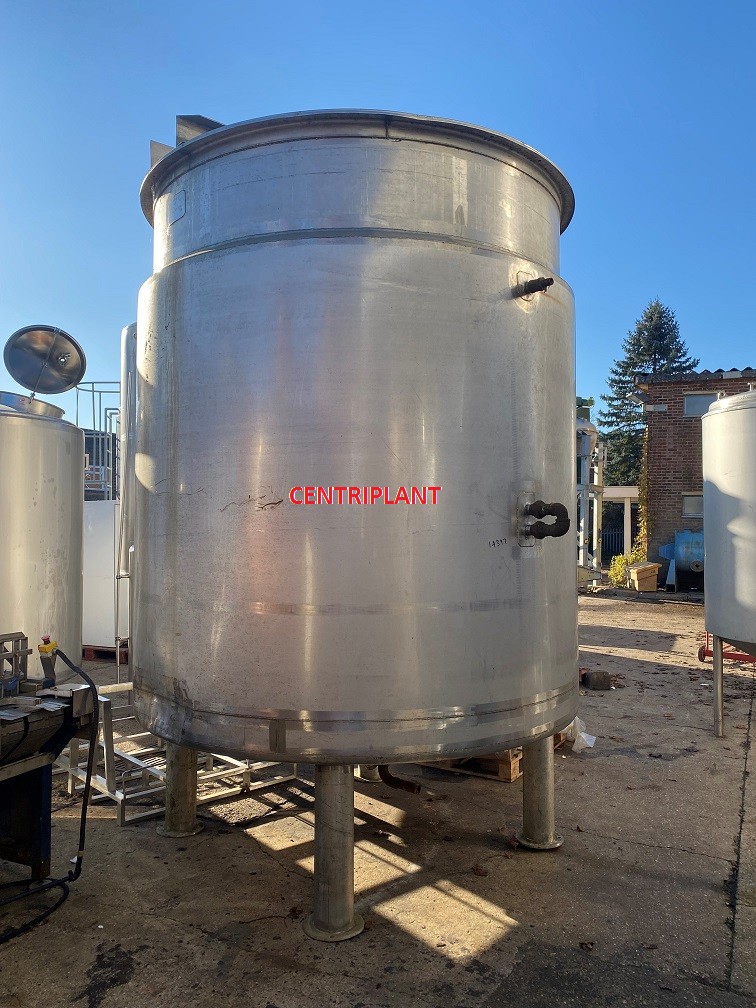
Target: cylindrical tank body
[
  {"x": 336, "y": 302},
  {"x": 41, "y": 523},
  {"x": 729, "y": 473},
  {"x": 126, "y": 441}
]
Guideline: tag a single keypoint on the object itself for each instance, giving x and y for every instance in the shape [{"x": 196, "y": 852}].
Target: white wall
[{"x": 100, "y": 555}]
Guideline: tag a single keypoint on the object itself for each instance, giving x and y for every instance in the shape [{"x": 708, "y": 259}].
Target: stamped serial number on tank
[{"x": 493, "y": 543}]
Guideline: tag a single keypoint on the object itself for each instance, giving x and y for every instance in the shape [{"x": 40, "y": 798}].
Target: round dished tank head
[
  {"x": 729, "y": 491},
  {"x": 355, "y": 447},
  {"x": 44, "y": 359}
]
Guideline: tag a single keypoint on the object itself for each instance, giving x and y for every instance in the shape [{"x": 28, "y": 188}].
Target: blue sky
[{"x": 647, "y": 107}]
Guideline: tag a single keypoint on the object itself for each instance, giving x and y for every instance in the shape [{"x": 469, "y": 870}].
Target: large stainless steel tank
[
  {"x": 729, "y": 473},
  {"x": 41, "y": 523},
  {"x": 337, "y": 301}
]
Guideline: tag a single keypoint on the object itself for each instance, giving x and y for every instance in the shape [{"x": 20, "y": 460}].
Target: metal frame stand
[
  {"x": 130, "y": 765},
  {"x": 590, "y": 490},
  {"x": 538, "y": 828},
  {"x": 728, "y": 653},
  {"x": 718, "y": 665},
  {"x": 17, "y": 656},
  {"x": 333, "y": 918},
  {"x": 180, "y": 792}
]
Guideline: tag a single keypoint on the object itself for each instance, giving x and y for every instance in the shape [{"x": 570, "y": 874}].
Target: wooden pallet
[
  {"x": 502, "y": 766},
  {"x": 95, "y": 652}
]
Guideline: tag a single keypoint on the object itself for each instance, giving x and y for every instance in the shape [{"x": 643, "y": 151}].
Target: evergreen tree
[{"x": 653, "y": 347}]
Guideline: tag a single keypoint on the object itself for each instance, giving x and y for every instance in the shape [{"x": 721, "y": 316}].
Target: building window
[
  {"x": 697, "y": 403},
  {"x": 692, "y": 505}
]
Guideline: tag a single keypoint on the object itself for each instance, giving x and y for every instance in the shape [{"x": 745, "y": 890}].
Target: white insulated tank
[
  {"x": 729, "y": 474},
  {"x": 364, "y": 300},
  {"x": 41, "y": 524}
]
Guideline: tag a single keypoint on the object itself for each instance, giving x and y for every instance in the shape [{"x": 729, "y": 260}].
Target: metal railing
[
  {"x": 97, "y": 409},
  {"x": 612, "y": 544}
]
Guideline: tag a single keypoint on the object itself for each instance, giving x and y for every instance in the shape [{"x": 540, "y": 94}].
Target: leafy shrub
[{"x": 618, "y": 568}]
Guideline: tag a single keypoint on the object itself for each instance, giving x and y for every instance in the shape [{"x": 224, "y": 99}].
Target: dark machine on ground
[{"x": 37, "y": 721}]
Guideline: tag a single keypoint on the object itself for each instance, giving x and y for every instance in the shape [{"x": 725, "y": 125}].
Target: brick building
[{"x": 673, "y": 409}]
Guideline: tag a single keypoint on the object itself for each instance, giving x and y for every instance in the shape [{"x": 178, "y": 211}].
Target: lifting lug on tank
[{"x": 540, "y": 529}]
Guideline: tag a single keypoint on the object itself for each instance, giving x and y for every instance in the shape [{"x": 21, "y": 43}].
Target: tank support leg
[
  {"x": 180, "y": 792},
  {"x": 718, "y": 662},
  {"x": 333, "y": 918},
  {"x": 538, "y": 830}
]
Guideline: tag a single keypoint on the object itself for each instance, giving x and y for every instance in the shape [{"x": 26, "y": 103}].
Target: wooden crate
[{"x": 503, "y": 765}]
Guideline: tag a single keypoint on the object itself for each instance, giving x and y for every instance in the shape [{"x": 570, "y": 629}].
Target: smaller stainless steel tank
[
  {"x": 585, "y": 429},
  {"x": 41, "y": 522},
  {"x": 729, "y": 473}
]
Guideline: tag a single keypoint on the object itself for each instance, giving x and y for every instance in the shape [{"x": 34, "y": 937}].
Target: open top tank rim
[
  {"x": 16, "y": 404},
  {"x": 344, "y": 123}
]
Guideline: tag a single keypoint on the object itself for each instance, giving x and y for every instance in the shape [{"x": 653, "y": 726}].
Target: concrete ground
[{"x": 637, "y": 908}]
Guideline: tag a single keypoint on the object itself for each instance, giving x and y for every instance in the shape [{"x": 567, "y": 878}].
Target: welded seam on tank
[
  {"x": 303, "y": 234},
  {"x": 512, "y": 728},
  {"x": 378, "y": 609},
  {"x": 324, "y": 720},
  {"x": 429, "y": 753}
]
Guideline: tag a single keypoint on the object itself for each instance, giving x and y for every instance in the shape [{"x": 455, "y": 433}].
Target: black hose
[
  {"x": 93, "y": 733},
  {"x": 72, "y": 876},
  {"x": 12, "y": 933},
  {"x": 397, "y": 782}
]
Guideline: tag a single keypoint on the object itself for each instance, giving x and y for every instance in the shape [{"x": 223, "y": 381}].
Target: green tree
[{"x": 653, "y": 347}]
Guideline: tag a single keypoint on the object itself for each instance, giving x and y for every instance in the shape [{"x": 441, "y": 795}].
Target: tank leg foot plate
[
  {"x": 173, "y": 835},
  {"x": 534, "y": 846},
  {"x": 313, "y": 931}
]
